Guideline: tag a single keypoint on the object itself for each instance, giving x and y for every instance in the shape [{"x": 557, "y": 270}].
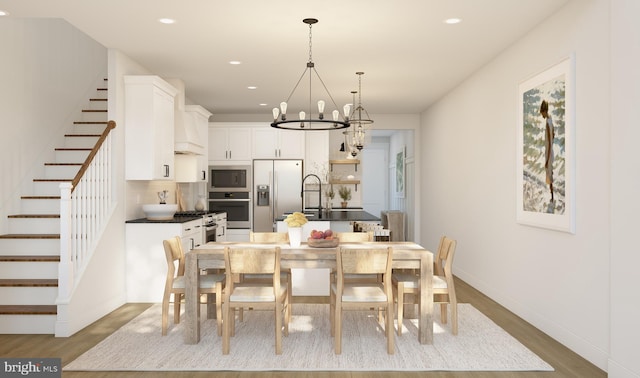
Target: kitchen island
[{"x": 315, "y": 282}]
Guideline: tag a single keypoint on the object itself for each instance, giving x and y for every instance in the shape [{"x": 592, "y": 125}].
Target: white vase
[
  {"x": 295, "y": 236},
  {"x": 201, "y": 203}
]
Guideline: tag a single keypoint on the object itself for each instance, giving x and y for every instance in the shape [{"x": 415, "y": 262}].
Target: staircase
[{"x": 30, "y": 252}]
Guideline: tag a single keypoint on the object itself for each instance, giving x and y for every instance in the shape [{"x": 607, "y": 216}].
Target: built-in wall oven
[{"x": 230, "y": 192}]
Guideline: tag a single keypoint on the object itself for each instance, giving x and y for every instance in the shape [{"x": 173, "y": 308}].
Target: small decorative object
[
  {"x": 200, "y": 204},
  {"x": 329, "y": 194},
  {"x": 163, "y": 196},
  {"x": 345, "y": 194},
  {"x": 294, "y": 222}
]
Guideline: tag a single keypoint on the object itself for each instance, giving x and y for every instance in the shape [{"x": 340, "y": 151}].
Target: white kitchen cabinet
[
  {"x": 146, "y": 265},
  {"x": 229, "y": 145},
  {"x": 270, "y": 143},
  {"x": 149, "y": 128},
  {"x": 193, "y": 166}
]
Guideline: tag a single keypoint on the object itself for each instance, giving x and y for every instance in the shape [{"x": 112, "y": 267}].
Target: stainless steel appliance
[
  {"x": 230, "y": 178},
  {"x": 277, "y": 186},
  {"x": 221, "y": 227},
  {"x": 237, "y": 206}
]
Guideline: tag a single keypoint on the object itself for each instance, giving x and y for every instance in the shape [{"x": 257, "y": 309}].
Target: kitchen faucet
[{"x": 319, "y": 193}]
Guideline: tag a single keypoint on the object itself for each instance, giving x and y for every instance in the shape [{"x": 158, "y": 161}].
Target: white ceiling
[{"x": 409, "y": 56}]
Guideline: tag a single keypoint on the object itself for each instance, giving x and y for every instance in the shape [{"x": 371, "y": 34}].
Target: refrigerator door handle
[{"x": 275, "y": 196}]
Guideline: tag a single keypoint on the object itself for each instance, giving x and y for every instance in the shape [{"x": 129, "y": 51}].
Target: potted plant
[
  {"x": 345, "y": 194},
  {"x": 329, "y": 194}
]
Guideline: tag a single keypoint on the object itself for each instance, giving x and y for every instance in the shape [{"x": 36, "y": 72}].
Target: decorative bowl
[
  {"x": 323, "y": 243},
  {"x": 155, "y": 211}
]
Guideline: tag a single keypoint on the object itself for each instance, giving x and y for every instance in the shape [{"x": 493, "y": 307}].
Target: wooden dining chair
[
  {"x": 353, "y": 237},
  {"x": 254, "y": 260},
  {"x": 406, "y": 286},
  {"x": 353, "y": 295},
  {"x": 210, "y": 284}
]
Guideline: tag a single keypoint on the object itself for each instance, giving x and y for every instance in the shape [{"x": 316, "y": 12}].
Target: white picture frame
[{"x": 535, "y": 183}]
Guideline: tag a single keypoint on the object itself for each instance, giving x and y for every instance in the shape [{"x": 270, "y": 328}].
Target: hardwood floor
[{"x": 565, "y": 362}]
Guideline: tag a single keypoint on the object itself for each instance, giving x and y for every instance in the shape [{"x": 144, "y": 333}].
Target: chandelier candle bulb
[
  {"x": 283, "y": 110},
  {"x": 321, "y": 109},
  {"x": 276, "y": 113}
]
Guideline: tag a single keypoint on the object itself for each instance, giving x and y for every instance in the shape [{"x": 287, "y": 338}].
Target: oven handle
[{"x": 231, "y": 200}]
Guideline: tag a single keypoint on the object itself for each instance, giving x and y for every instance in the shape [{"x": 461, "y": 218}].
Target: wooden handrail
[{"x": 110, "y": 126}]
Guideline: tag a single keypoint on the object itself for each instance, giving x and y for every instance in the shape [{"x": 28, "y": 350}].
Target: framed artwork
[
  {"x": 545, "y": 149},
  {"x": 400, "y": 171}
]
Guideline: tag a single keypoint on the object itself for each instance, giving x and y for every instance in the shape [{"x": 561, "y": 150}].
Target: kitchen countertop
[
  {"x": 181, "y": 219},
  {"x": 337, "y": 215}
]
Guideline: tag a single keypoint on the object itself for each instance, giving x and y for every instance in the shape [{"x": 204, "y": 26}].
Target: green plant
[
  {"x": 329, "y": 193},
  {"x": 344, "y": 193}
]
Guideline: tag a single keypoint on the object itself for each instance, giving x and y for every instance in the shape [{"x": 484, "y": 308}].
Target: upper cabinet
[
  {"x": 316, "y": 153},
  {"x": 270, "y": 143},
  {"x": 149, "y": 128},
  {"x": 229, "y": 145}
]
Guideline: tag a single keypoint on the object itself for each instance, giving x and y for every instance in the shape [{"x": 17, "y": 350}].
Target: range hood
[{"x": 187, "y": 138}]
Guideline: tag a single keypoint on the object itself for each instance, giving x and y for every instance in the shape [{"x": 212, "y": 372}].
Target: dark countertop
[
  {"x": 181, "y": 219},
  {"x": 339, "y": 216}
]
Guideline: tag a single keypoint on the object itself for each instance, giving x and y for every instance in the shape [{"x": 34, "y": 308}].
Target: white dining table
[{"x": 406, "y": 255}]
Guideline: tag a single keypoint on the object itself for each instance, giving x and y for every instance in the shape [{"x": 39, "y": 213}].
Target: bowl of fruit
[{"x": 322, "y": 239}]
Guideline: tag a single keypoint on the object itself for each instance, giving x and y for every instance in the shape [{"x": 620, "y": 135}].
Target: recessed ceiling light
[
  {"x": 4, "y": 13},
  {"x": 251, "y": 87},
  {"x": 263, "y": 104},
  {"x": 452, "y": 21},
  {"x": 167, "y": 21},
  {"x": 235, "y": 62}
]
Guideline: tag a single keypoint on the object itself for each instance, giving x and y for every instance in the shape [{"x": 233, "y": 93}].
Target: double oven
[{"x": 230, "y": 192}]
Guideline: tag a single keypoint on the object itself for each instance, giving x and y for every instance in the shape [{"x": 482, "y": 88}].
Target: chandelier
[
  {"x": 303, "y": 122},
  {"x": 356, "y": 136}
]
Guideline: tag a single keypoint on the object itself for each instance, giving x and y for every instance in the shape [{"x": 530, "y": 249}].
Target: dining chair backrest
[
  {"x": 174, "y": 254},
  {"x": 353, "y": 237},
  {"x": 252, "y": 260},
  {"x": 269, "y": 237},
  {"x": 444, "y": 257},
  {"x": 370, "y": 260}
]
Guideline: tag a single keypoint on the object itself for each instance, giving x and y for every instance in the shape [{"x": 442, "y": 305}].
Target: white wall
[
  {"x": 557, "y": 281},
  {"x": 625, "y": 181},
  {"x": 42, "y": 93}
]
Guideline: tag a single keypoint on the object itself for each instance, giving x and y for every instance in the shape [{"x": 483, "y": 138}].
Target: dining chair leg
[
  {"x": 219, "y": 307},
  {"x": 176, "y": 307},
  {"x": 338, "y": 331},
  {"x": 389, "y": 328},
  {"x": 165, "y": 312},
  {"x": 400, "y": 299},
  {"x": 226, "y": 328},
  {"x": 453, "y": 301},
  {"x": 278, "y": 316}
]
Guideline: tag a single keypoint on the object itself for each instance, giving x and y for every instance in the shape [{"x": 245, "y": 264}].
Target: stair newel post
[{"x": 66, "y": 265}]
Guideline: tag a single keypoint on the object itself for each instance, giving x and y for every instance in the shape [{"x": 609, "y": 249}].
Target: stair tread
[
  {"x": 94, "y": 110},
  {"x": 52, "y": 180},
  {"x": 34, "y": 216},
  {"x": 41, "y": 197},
  {"x": 82, "y": 135},
  {"x": 97, "y": 99},
  {"x": 73, "y": 149},
  {"x": 63, "y": 164},
  {"x": 30, "y": 236},
  {"x": 30, "y": 258},
  {"x": 90, "y": 122},
  {"x": 29, "y": 282},
  {"x": 28, "y": 309}
]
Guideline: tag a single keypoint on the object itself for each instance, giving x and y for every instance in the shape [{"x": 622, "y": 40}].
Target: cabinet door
[
  {"x": 291, "y": 144},
  {"x": 317, "y": 153},
  {"x": 265, "y": 143},
  {"x": 239, "y": 144},
  {"x": 149, "y": 130},
  {"x": 191, "y": 235},
  {"x": 218, "y": 145}
]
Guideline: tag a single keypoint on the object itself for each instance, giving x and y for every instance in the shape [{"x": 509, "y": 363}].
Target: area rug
[{"x": 479, "y": 346}]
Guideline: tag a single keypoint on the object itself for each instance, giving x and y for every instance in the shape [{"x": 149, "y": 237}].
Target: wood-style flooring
[{"x": 565, "y": 362}]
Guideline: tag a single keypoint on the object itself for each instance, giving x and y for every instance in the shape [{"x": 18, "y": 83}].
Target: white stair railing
[{"x": 85, "y": 206}]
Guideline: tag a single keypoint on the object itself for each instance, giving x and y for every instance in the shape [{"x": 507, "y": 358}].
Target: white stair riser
[
  {"x": 46, "y": 188},
  {"x": 40, "y": 206},
  {"x": 34, "y": 225},
  {"x": 61, "y": 171},
  {"x": 80, "y": 142},
  {"x": 94, "y": 116},
  {"x": 27, "y": 324},
  {"x": 28, "y": 295},
  {"x": 28, "y": 269},
  {"x": 27, "y": 247},
  {"x": 88, "y": 129},
  {"x": 71, "y": 156}
]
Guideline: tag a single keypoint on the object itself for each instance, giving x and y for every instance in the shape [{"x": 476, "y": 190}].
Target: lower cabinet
[{"x": 145, "y": 264}]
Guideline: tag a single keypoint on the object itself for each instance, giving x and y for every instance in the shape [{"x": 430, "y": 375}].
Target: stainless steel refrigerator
[{"x": 276, "y": 190}]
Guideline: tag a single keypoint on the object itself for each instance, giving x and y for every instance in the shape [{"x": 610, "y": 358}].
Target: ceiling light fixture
[
  {"x": 452, "y": 21},
  {"x": 359, "y": 119},
  {"x": 310, "y": 123},
  {"x": 4, "y": 13},
  {"x": 167, "y": 21}
]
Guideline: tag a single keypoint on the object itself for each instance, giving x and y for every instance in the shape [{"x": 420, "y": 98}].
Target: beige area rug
[{"x": 480, "y": 345}]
